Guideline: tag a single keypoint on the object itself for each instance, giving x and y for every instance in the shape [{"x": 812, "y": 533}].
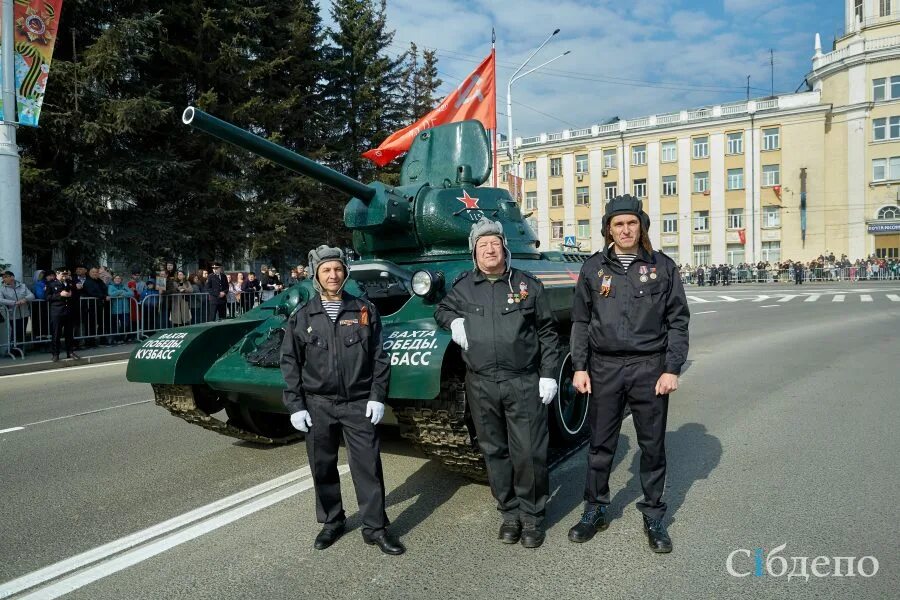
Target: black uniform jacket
[
  {"x": 506, "y": 338},
  {"x": 341, "y": 361},
  {"x": 214, "y": 285},
  {"x": 59, "y": 304},
  {"x": 636, "y": 317}
]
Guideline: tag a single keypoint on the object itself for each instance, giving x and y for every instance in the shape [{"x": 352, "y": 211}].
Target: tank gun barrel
[{"x": 227, "y": 132}]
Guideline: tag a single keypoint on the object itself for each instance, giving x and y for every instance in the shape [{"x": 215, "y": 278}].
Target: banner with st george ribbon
[{"x": 35, "y": 26}]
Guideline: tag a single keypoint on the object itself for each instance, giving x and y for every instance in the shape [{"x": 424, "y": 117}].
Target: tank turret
[{"x": 429, "y": 214}]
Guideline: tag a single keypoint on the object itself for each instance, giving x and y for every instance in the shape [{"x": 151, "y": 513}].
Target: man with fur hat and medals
[
  {"x": 503, "y": 323},
  {"x": 629, "y": 342},
  {"x": 336, "y": 372}
]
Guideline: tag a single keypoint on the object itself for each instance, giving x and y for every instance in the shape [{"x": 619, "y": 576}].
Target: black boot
[
  {"x": 385, "y": 542},
  {"x": 510, "y": 532},
  {"x": 657, "y": 536},
  {"x": 532, "y": 535},
  {"x": 592, "y": 521},
  {"x": 328, "y": 536}
]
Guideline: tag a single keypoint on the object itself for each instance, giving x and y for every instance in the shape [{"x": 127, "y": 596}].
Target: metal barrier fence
[
  {"x": 823, "y": 274},
  {"x": 115, "y": 320}
]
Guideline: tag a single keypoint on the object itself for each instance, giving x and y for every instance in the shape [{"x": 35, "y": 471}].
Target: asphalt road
[{"x": 783, "y": 432}]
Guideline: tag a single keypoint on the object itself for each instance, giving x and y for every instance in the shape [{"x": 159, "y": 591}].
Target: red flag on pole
[
  {"x": 475, "y": 98},
  {"x": 742, "y": 235},
  {"x": 515, "y": 187}
]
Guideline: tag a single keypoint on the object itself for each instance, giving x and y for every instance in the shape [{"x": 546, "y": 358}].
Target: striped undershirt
[
  {"x": 332, "y": 308},
  {"x": 626, "y": 259}
]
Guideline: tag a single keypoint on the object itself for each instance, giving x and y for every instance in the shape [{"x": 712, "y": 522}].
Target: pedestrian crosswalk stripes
[{"x": 783, "y": 298}]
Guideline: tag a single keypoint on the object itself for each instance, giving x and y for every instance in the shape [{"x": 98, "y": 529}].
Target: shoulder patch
[{"x": 461, "y": 276}]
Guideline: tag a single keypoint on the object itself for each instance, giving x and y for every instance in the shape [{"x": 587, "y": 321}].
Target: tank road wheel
[
  {"x": 197, "y": 403},
  {"x": 442, "y": 429},
  {"x": 569, "y": 411}
]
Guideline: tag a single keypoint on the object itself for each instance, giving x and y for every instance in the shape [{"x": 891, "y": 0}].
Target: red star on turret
[{"x": 470, "y": 202}]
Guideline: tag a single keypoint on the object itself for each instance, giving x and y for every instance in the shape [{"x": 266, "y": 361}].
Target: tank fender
[
  {"x": 184, "y": 354},
  {"x": 416, "y": 350}
]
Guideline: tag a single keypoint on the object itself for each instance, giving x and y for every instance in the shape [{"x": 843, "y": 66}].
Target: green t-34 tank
[{"x": 413, "y": 242}]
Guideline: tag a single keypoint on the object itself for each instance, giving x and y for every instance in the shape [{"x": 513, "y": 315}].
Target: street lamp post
[
  {"x": 10, "y": 204},
  {"x": 510, "y": 142}
]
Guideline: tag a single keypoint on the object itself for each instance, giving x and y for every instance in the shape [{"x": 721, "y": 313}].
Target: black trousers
[
  {"x": 511, "y": 424},
  {"x": 61, "y": 325},
  {"x": 615, "y": 381},
  {"x": 217, "y": 311},
  {"x": 331, "y": 419}
]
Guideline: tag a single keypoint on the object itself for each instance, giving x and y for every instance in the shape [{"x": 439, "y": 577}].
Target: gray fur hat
[
  {"x": 484, "y": 227},
  {"x": 324, "y": 254}
]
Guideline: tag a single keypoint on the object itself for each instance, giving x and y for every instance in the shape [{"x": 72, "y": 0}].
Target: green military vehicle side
[{"x": 413, "y": 241}]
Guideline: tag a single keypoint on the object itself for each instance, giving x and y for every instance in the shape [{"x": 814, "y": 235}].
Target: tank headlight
[{"x": 423, "y": 283}]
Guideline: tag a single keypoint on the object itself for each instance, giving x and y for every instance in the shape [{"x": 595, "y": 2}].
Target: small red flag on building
[
  {"x": 777, "y": 190},
  {"x": 742, "y": 235},
  {"x": 515, "y": 187},
  {"x": 475, "y": 98}
]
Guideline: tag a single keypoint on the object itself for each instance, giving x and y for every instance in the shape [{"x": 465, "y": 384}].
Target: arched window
[{"x": 889, "y": 213}]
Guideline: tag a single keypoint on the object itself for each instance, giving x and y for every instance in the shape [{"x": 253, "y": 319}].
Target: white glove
[
  {"x": 547, "y": 389},
  {"x": 300, "y": 420},
  {"x": 458, "y": 332},
  {"x": 375, "y": 410}
]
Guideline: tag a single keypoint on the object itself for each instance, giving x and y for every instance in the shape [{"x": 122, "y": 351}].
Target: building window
[
  {"x": 584, "y": 228},
  {"x": 771, "y": 216},
  {"x": 669, "y": 151},
  {"x": 504, "y": 171},
  {"x": 885, "y": 6},
  {"x": 556, "y": 230},
  {"x": 531, "y": 170},
  {"x": 701, "y": 147},
  {"x": 530, "y": 200},
  {"x": 736, "y": 143},
  {"x": 701, "y": 220},
  {"x": 879, "y": 129},
  {"x": 895, "y": 87},
  {"x": 671, "y": 252},
  {"x": 735, "y": 254},
  {"x": 771, "y": 175},
  {"x": 639, "y": 155},
  {"x": 770, "y": 139},
  {"x": 582, "y": 196},
  {"x": 581, "y": 163},
  {"x": 609, "y": 159},
  {"x": 894, "y": 128},
  {"x": 858, "y": 10},
  {"x": 735, "y": 179},
  {"x": 640, "y": 188},
  {"x": 556, "y": 198},
  {"x": 610, "y": 191},
  {"x": 670, "y": 185},
  {"x": 701, "y": 255},
  {"x": 701, "y": 182},
  {"x": 771, "y": 252},
  {"x": 878, "y": 88},
  {"x": 735, "y": 218},
  {"x": 555, "y": 167},
  {"x": 889, "y": 213},
  {"x": 670, "y": 223}
]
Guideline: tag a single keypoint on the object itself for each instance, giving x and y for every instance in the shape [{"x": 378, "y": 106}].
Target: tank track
[
  {"x": 181, "y": 401},
  {"x": 440, "y": 431}
]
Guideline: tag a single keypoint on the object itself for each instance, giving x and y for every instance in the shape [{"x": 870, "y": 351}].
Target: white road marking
[
  {"x": 865, "y": 298},
  {"x": 839, "y": 298},
  {"x": 770, "y": 306},
  {"x": 11, "y": 429},
  {"x": 89, "y": 412},
  {"x": 730, "y": 299},
  {"x": 705, "y": 312},
  {"x": 788, "y": 298},
  {"x": 66, "y": 369},
  {"x": 813, "y": 297},
  {"x": 115, "y": 556},
  {"x": 893, "y": 297},
  {"x": 697, "y": 299}
]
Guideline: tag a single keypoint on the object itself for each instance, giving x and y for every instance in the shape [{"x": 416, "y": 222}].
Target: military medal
[
  {"x": 653, "y": 273},
  {"x": 523, "y": 291},
  {"x": 364, "y": 316},
  {"x": 606, "y": 286},
  {"x": 309, "y": 329},
  {"x": 644, "y": 279},
  {"x": 600, "y": 273},
  {"x": 509, "y": 299}
]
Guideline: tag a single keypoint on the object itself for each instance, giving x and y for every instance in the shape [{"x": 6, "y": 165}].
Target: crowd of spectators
[
  {"x": 824, "y": 268},
  {"x": 110, "y": 309}
]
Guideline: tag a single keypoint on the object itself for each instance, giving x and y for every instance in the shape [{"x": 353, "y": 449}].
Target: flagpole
[
  {"x": 10, "y": 186},
  {"x": 496, "y": 148}
]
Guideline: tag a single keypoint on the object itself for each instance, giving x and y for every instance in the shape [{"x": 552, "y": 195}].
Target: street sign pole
[{"x": 10, "y": 188}]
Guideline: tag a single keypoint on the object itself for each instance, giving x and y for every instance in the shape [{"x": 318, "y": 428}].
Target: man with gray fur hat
[
  {"x": 503, "y": 323},
  {"x": 337, "y": 372}
]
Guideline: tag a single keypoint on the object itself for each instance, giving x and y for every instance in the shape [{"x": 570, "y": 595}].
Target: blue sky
[{"x": 629, "y": 59}]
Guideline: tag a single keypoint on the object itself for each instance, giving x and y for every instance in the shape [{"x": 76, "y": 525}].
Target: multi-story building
[{"x": 791, "y": 176}]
